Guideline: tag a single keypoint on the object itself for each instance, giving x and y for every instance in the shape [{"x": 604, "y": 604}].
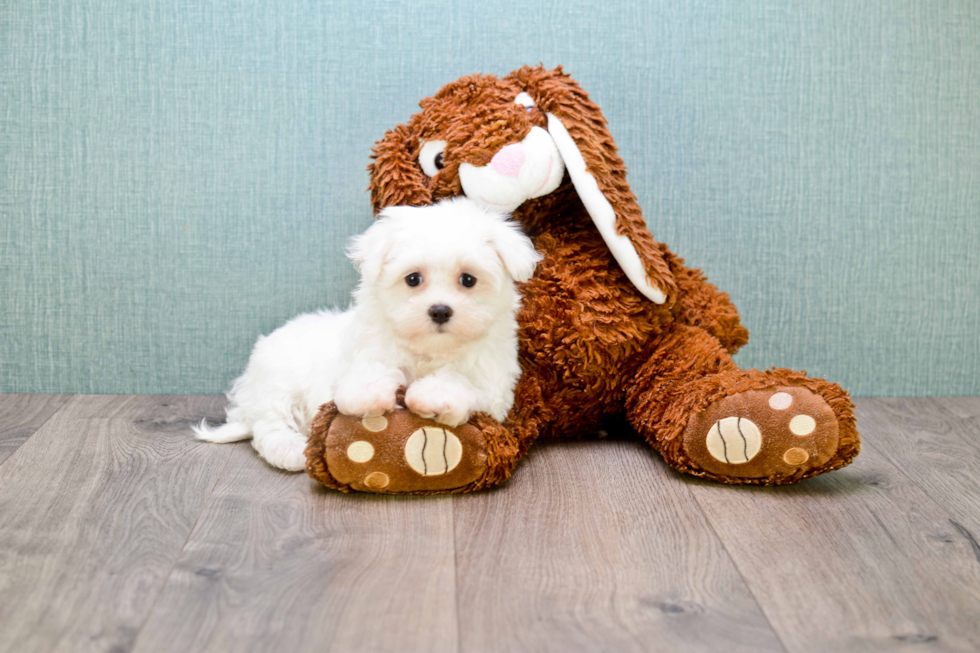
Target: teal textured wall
[{"x": 177, "y": 177}]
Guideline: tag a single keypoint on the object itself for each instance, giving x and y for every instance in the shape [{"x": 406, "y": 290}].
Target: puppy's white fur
[{"x": 359, "y": 357}]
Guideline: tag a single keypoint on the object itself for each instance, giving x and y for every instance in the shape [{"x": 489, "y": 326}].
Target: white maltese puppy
[{"x": 434, "y": 312}]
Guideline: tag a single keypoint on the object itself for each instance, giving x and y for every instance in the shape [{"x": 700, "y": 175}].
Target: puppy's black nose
[{"x": 440, "y": 313}]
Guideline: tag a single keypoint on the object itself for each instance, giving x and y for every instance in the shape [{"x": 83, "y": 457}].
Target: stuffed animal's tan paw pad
[
  {"x": 375, "y": 424},
  {"x": 734, "y": 440},
  {"x": 401, "y": 452},
  {"x": 432, "y": 451},
  {"x": 779, "y": 431}
]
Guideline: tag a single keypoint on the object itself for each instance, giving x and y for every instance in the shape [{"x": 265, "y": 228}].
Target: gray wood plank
[
  {"x": 967, "y": 408},
  {"x": 278, "y": 563},
  {"x": 858, "y": 560},
  {"x": 21, "y": 415},
  {"x": 598, "y": 546},
  {"x": 936, "y": 445},
  {"x": 94, "y": 510}
]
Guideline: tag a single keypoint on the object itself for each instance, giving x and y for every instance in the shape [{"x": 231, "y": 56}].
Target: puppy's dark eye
[
  {"x": 413, "y": 279},
  {"x": 440, "y": 164},
  {"x": 467, "y": 280}
]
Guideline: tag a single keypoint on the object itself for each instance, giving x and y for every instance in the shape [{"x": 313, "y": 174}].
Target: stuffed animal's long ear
[
  {"x": 396, "y": 177},
  {"x": 599, "y": 176}
]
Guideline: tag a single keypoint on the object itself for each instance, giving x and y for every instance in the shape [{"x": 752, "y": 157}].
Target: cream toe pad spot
[
  {"x": 734, "y": 440},
  {"x": 377, "y": 480},
  {"x": 375, "y": 424},
  {"x": 360, "y": 451},
  {"x": 802, "y": 425},
  {"x": 796, "y": 456},
  {"x": 780, "y": 401},
  {"x": 433, "y": 451}
]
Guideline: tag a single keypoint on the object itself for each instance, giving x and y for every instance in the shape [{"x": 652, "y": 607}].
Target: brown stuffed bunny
[{"x": 612, "y": 326}]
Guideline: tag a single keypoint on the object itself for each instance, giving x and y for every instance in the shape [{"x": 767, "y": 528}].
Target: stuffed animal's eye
[
  {"x": 431, "y": 157},
  {"x": 467, "y": 280},
  {"x": 413, "y": 279},
  {"x": 524, "y": 100}
]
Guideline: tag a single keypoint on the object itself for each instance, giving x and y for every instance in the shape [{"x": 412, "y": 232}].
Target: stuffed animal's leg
[
  {"x": 402, "y": 453},
  {"x": 710, "y": 418}
]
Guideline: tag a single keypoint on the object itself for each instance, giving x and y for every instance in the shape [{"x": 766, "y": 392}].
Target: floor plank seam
[
  {"x": 39, "y": 427},
  {"x": 745, "y": 580},
  {"x": 180, "y": 552},
  {"x": 459, "y": 625},
  {"x": 925, "y": 490},
  {"x": 965, "y": 532},
  {"x": 899, "y": 467}
]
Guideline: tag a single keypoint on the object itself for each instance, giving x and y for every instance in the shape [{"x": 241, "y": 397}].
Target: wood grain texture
[
  {"x": 95, "y": 508},
  {"x": 598, "y": 546},
  {"x": 859, "y": 560},
  {"x": 935, "y": 443},
  {"x": 21, "y": 415},
  {"x": 119, "y": 532},
  {"x": 967, "y": 408},
  {"x": 278, "y": 563}
]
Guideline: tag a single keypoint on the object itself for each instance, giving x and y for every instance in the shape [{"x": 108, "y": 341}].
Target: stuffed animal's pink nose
[{"x": 508, "y": 160}]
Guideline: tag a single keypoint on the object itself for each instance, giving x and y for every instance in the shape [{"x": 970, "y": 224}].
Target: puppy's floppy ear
[
  {"x": 368, "y": 250},
  {"x": 516, "y": 251},
  {"x": 396, "y": 176},
  {"x": 599, "y": 176}
]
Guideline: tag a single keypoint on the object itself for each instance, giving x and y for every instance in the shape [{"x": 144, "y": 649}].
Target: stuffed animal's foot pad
[
  {"x": 401, "y": 452},
  {"x": 780, "y": 431},
  {"x": 432, "y": 451}
]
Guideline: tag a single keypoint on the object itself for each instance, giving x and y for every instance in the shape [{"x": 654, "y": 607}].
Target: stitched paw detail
[
  {"x": 401, "y": 452},
  {"x": 760, "y": 433},
  {"x": 734, "y": 440},
  {"x": 432, "y": 451}
]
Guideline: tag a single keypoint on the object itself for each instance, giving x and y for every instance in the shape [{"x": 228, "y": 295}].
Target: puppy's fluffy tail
[{"x": 230, "y": 432}]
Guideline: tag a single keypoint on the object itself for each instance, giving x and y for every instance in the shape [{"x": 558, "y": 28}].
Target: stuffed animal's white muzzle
[{"x": 517, "y": 172}]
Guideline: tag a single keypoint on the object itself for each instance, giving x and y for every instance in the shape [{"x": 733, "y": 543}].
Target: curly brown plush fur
[{"x": 593, "y": 348}]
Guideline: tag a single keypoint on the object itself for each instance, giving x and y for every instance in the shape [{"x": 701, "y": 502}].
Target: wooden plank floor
[{"x": 119, "y": 532}]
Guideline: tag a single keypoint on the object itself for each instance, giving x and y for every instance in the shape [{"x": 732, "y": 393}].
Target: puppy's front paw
[
  {"x": 369, "y": 400},
  {"x": 444, "y": 402},
  {"x": 368, "y": 390}
]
